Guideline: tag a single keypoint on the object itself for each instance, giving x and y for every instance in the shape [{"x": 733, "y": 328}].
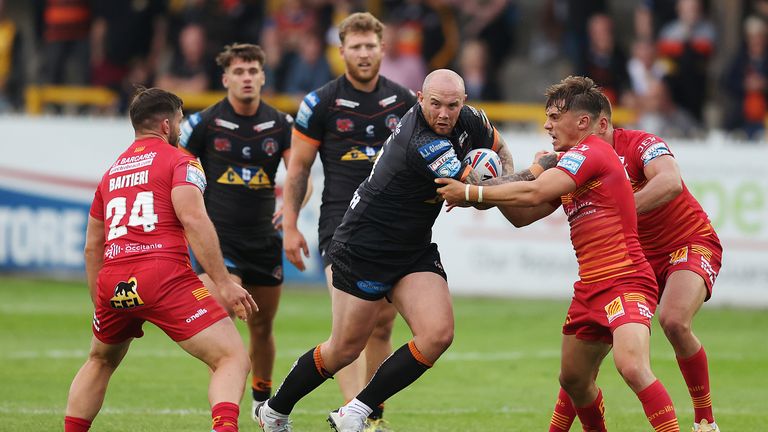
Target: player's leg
[
  {"x": 580, "y": 395},
  {"x": 424, "y": 301},
  {"x": 261, "y": 347},
  {"x": 220, "y": 347},
  {"x": 684, "y": 294},
  {"x": 351, "y": 328},
  {"x": 86, "y": 394},
  {"x": 631, "y": 354},
  {"x": 377, "y": 350},
  {"x": 351, "y": 379}
]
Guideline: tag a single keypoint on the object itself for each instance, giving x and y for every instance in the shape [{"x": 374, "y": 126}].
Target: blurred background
[{"x": 693, "y": 71}]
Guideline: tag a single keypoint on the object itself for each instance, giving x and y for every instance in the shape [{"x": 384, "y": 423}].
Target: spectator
[
  {"x": 644, "y": 67},
  {"x": 66, "y": 27},
  {"x": 687, "y": 45},
  {"x": 11, "y": 73},
  {"x": 479, "y": 79},
  {"x": 603, "y": 60},
  {"x": 746, "y": 81},
  {"x": 491, "y": 21},
  {"x": 428, "y": 28},
  {"x": 405, "y": 68},
  {"x": 309, "y": 70},
  {"x": 660, "y": 116},
  {"x": 189, "y": 70}
]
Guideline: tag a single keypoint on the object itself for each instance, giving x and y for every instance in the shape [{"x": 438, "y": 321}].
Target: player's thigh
[
  {"x": 684, "y": 293},
  {"x": 352, "y": 324},
  {"x": 581, "y": 358},
  {"x": 218, "y": 341},
  {"x": 268, "y": 300},
  {"x": 424, "y": 301},
  {"x": 109, "y": 354},
  {"x": 631, "y": 346}
]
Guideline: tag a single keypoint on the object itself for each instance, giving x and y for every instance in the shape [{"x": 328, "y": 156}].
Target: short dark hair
[
  {"x": 245, "y": 52},
  {"x": 152, "y": 104},
  {"x": 360, "y": 22},
  {"x": 578, "y": 93}
]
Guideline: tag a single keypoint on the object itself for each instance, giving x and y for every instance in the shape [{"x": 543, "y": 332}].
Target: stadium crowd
[{"x": 667, "y": 64}]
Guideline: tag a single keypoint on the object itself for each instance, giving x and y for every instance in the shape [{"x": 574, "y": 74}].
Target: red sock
[
  {"x": 225, "y": 416},
  {"x": 564, "y": 414},
  {"x": 658, "y": 407},
  {"x": 75, "y": 424},
  {"x": 592, "y": 416},
  {"x": 696, "y": 374}
]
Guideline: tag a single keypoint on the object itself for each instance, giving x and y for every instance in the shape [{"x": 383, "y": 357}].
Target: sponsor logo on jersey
[
  {"x": 369, "y": 130},
  {"x": 226, "y": 124},
  {"x": 644, "y": 310},
  {"x": 366, "y": 153},
  {"x": 259, "y": 180},
  {"x": 96, "y": 323},
  {"x": 572, "y": 162},
  {"x": 126, "y": 295},
  {"x": 646, "y": 142},
  {"x": 447, "y": 165},
  {"x": 707, "y": 267},
  {"x": 269, "y": 146},
  {"x": 277, "y": 272},
  {"x": 230, "y": 177},
  {"x": 141, "y": 247},
  {"x": 654, "y": 151},
  {"x": 195, "y": 175},
  {"x": 614, "y": 309},
  {"x": 388, "y": 101},
  {"x": 311, "y": 99},
  {"x": 128, "y": 180},
  {"x": 222, "y": 144},
  {"x": 112, "y": 251},
  {"x": 196, "y": 315},
  {"x": 463, "y": 138},
  {"x": 391, "y": 121},
  {"x": 264, "y": 126},
  {"x": 473, "y": 110},
  {"x": 304, "y": 113},
  {"x": 432, "y": 149},
  {"x": 132, "y": 162},
  {"x": 679, "y": 256},
  {"x": 289, "y": 119},
  {"x": 139, "y": 149},
  {"x": 344, "y": 125},
  {"x": 246, "y": 152},
  {"x": 347, "y": 103},
  {"x": 373, "y": 287}
]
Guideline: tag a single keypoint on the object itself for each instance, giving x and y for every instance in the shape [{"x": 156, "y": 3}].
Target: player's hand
[
  {"x": 452, "y": 192},
  {"x": 546, "y": 159},
  {"x": 294, "y": 244},
  {"x": 277, "y": 219},
  {"x": 237, "y": 299}
]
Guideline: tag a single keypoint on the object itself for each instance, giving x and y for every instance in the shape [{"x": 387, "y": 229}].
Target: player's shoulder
[
  {"x": 325, "y": 93},
  {"x": 268, "y": 113},
  {"x": 393, "y": 87},
  {"x": 202, "y": 117}
]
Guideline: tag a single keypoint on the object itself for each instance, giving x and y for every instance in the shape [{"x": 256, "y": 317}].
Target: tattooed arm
[
  {"x": 303, "y": 154},
  {"x": 507, "y": 164}
]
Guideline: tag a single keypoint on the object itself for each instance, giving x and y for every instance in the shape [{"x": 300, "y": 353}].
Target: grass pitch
[{"x": 499, "y": 375}]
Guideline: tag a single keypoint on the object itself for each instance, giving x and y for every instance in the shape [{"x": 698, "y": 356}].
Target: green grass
[{"x": 499, "y": 375}]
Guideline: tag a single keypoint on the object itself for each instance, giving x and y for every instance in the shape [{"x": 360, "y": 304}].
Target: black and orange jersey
[
  {"x": 240, "y": 155},
  {"x": 395, "y": 208},
  {"x": 349, "y": 127}
]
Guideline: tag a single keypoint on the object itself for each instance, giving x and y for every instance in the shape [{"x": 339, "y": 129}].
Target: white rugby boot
[{"x": 270, "y": 420}]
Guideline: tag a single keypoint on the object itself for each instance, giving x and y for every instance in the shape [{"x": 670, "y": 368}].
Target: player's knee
[
  {"x": 573, "y": 383},
  {"x": 633, "y": 371},
  {"x": 260, "y": 329},
  {"x": 674, "y": 326},
  {"x": 103, "y": 361},
  {"x": 441, "y": 340}
]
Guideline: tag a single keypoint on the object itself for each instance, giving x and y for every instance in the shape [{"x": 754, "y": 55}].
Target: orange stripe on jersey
[
  {"x": 701, "y": 250},
  {"x": 586, "y": 187},
  {"x": 634, "y": 297},
  {"x": 303, "y": 137},
  {"x": 201, "y": 293}
]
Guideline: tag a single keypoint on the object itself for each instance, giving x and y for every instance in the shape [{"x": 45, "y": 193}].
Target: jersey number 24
[{"x": 142, "y": 214}]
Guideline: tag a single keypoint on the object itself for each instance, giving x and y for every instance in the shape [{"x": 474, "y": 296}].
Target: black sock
[
  {"x": 260, "y": 395},
  {"x": 395, "y": 374},
  {"x": 377, "y": 413},
  {"x": 304, "y": 377}
]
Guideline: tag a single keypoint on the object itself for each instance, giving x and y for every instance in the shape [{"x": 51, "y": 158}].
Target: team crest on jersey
[
  {"x": 347, "y": 103},
  {"x": 222, "y": 144},
  {"x": 679, "y": 256},
  {"x": 269, "y": 146},
  {"x": 264, "y": 126},
  {"x": 126, "y": 295},
  {"x": 226, "y": 124},
  {"x": 112, "y": 251},
  {"x": 388, "y": 101},
  {"x": 391, "y": 121},
  {"x": 345, "y": 125},
  {"x": 614, "y": 309},
  {"x": 277, "y": 272}
]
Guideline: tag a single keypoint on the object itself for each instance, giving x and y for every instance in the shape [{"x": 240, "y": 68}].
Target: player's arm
[
  {"x": 295, "y": 194},
  {"x": 94, "y": 253},
  {"x": 505, "y": 156},
  {"x": 664, "y": 184},
  {"x": 549, "y": 186},
  {"x": 542, "y": 162},
  {"x": 277, "y": 218},
  {"x": 190, "y": 209}
]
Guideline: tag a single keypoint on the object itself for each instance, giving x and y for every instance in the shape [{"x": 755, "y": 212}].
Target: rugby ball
[{"x": 485, "y": 162}]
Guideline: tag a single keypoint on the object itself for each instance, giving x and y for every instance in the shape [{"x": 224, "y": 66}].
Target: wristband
[
  {"x": 479, "y": 194},
  {"x": 536, "y": 170},
  {"x": 466, "y": 192}
]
